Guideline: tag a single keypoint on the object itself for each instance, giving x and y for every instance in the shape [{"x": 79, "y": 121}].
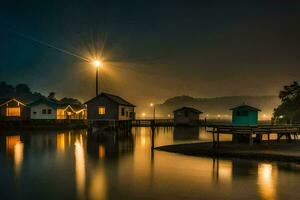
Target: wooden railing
[
  {"x": 287, "y": 130},
  {"x": 151, "y": 122}
]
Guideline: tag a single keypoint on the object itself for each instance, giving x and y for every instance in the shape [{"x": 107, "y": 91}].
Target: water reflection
[
  {"x": 80, "y": 167},
  {"x": 74, "y": 165},
  {"x": 14, "y": 147},
  {"x": 222, "y": 170},
  {"x": 267, "y": 181},
  {"x": 186, "y": 133},
  {"x": 60, "y": 142}
]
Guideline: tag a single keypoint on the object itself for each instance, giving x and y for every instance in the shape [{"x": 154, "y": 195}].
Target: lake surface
[{"x": 71, "y": 165}]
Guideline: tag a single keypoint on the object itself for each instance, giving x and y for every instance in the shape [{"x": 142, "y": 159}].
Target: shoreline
[{"x": 271, "y": 151}]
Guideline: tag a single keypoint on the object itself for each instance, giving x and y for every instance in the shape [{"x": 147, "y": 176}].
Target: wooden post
[
  {"x": 236, "y": 137},
  {"x": 250, "y": 138},
  {"x": 218, "y": 137},
  {"x": 213, "y": 135}
]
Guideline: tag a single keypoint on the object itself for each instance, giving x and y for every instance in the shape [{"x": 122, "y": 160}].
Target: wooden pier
[{"x": 253, "y": 132}]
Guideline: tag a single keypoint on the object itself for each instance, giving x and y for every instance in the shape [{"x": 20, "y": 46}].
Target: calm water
[{"x": 69, "y": 165}]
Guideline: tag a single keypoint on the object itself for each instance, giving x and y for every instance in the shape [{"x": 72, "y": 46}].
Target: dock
[{"x": 290, "y": 131}]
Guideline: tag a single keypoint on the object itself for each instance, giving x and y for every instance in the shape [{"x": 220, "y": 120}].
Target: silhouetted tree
[
  {"x": 6, "y": 90},
  {"x": 51, "y": 95},
  {"x": 22, "y": 90},
  {"x": 70, "y": 101},
  {"x": 289, "y": 109}
]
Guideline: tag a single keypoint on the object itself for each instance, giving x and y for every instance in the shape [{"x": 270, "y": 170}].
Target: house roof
[
  {"x": 49, "y": 102},
  {"x": 189, "y": 109},
  {"x": 247, "y": 107},
  {"x": 117, "y": 99},
  {"x": 7, "y": 100}
]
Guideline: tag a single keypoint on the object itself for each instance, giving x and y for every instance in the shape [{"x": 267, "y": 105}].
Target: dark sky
[{"x": 153, "y": 49}]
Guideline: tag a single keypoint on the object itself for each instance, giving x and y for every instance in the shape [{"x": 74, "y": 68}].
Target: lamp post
[
  {"x": 97, "y": 64},
  {"x": 153, "y": 105},
  {"x": 153, "y": 127}
]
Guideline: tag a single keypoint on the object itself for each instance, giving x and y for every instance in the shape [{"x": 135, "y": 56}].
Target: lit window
[
  {"x": 13, "y": 112},
  {"x": 60, "y": 114},
  {"x": 101, "y": 110}
]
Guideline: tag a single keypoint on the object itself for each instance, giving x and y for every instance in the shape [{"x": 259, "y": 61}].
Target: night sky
[{"x": 152, "y": 50}]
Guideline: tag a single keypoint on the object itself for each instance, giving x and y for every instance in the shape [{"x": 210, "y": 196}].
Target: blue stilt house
[{"x": 245, "y": 115}]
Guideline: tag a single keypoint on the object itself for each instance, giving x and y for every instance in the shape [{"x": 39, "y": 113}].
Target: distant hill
[{"x": 219, "y": 105}]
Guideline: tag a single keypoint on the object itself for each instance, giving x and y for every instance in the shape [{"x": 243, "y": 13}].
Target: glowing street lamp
[
  {"x": 97, "y": 64},
  {"x": 153, "y": 105}
]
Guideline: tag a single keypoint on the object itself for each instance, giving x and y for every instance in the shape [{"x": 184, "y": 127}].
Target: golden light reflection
[
  {"x": 80, "y": 167},
  {"x": 143, "y": 137},
  {"x": 101, "y": 151},
  {"x": 225, "y": 170},
  {"x": 267, "y": 181},
  {"x": 98, "y": 184},
  {"x": 60, "y": 142},
  {"x": 15, "y": 147},
  {"x": 222, "y": 170},
  {"x": 18, "y": 157}
]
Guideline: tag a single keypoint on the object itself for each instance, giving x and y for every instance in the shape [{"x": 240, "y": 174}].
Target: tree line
[{"x": 23, "y": 92}]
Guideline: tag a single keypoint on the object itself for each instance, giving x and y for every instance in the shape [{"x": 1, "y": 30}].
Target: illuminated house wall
[
  {"x": 52, "y": 109},
  {"x": 42, "y": 111},
  {"x": 13, "y": 109},
  {"x": 109, "y": 107}
]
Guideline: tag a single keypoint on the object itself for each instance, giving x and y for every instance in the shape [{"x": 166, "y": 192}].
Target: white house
[{"x": 45, "y": 108}]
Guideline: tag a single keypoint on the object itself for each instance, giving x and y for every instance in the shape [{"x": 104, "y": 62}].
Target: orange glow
[
  {"x": 15, "y": 146},
  {"x": 101, "y": 110},
  {"x": 60, "y": 114},
  {"x": 13, "y": 112},
  {"x": 18, "y": 157},
  {"x": 101, "y": 151},
  {"x": 80, "y": 167},
  {"x": 11, "y": 141},
  {"x": 267, "y": 181},
  {"x": 60, "y": 142},
  {"x": 97, "y": 63}
]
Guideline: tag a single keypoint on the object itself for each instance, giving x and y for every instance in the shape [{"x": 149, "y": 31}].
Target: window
[
  {"x": 123, "y": 111},
  {"x": 101, "y": 110},
  {"x": 126, "y": 113},
  {"x": 44, "y": 111},
  {"x": 49, "y": 111},
  {"x": 60, "y": 114},
  {"x": 34, "y": 113},
  {"x": 13, "y": 112}
]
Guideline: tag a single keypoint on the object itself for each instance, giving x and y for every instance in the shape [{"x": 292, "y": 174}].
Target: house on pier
[
  {"x": 109, "y": 107},
  {"x": 11, "y": 108},
  {"x": 186, "y": 116},
  {"x": 45, "y": 108},
  {"x": 245, "y": 115}
]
